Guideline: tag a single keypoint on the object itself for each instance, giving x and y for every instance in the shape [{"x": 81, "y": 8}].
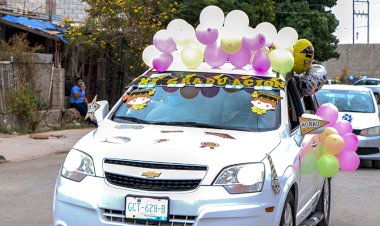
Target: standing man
[{"x": 78, "y": 97}]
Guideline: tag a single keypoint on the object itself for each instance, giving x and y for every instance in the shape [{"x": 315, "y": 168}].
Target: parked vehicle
[
  {"x": 192, "y": 149},
  {"x": 357, "y": 104},
  {"x": 373, "y": 84}
]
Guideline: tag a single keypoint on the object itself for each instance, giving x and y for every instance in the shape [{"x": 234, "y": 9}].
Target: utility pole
[{"x": 359, "y": 13}]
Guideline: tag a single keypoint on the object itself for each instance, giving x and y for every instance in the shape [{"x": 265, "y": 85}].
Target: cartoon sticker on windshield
[
  {"x": 139, "y": 99},
  {"x": 263, "y": 102}
]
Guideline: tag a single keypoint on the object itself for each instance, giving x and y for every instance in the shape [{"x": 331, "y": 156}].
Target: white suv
[{"x": 193, "y": 150}]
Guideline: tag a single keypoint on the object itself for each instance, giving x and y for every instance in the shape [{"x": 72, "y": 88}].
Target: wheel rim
[
  {"x": 326, "y": 199},
  {"x": 288, "y": 215}
]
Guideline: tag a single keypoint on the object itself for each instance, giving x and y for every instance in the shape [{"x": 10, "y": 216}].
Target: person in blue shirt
[{"x": 78, "y": 97}]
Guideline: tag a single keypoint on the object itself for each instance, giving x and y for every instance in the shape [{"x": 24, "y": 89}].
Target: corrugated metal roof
[{"x": 51, "y": 30}]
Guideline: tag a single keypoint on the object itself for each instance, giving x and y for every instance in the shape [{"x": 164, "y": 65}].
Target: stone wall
[
  {"x": 358, "y": 59},
  {"x": 64, "y": 8}
]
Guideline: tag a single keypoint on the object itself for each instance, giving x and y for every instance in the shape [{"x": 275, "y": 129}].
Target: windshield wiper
[
  {"x": 132, "y": 119},
  {"x": 191, "y": 124}
]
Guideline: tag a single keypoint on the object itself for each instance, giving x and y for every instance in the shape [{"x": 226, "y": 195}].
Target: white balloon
[
  {"x": 149, "y": 54},
  {"x": 181, "y": 31},
  {"x": 236, "y": 18},
  {"x": 212, "y": 16},
  {"x": 268, "y": 30},
  {"x": 177, "y": 58},
  {"x": 286, "y": 38}
]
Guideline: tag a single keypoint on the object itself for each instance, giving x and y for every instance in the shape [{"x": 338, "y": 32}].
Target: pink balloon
[
  {"x": 348, "y": 161},
  {"x": 351, "y": 142},
  {"x": 254, "y": 43},
  {"x": 215, "y": 56},
  {"x": 207, "y": 36},
  {"x": 163, "y": 62},
  {"x": 328, "y": 112},
  {"x": 164, "y": 45},
  {"x": 241, "y": 58},
  {"x": 343, "y": 127},
  {"x": 261, "y": 62}
]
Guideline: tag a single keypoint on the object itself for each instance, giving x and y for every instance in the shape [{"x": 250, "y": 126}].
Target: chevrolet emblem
[{"x": 150, "y": 174}]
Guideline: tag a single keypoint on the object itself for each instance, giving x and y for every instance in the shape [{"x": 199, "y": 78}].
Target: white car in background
[
  {"x": 194, "y": 156},
  {"x": 358, "y": 104}
]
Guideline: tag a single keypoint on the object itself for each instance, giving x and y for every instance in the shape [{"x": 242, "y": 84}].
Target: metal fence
[{"x": 6, "y": 78}]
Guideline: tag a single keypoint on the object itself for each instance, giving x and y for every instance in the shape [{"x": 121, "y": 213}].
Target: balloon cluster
[
  {"x": 218, "y": 39},
  {"x": 336, "y": 148}
]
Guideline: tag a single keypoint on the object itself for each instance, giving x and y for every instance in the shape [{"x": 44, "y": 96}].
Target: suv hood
[
  {"x": 155, "y": 143},
  {"x": 362, "y": 120}
]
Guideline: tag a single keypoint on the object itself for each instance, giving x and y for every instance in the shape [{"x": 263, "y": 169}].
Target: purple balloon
[
  {"x": 241, "y": 58},
  {"x": 343, "y": 127},
  {"x": 215, "y": 56},
  {"x": 210, "y": 92},
  {"x": 163, "y": 62},
  {"x": 164, "y": 45},
  {"x": 351, "y": 142},
  {"x": 207, "y": 36},
  {"x": 261, "y": 62},
  {"x": 348, "y": 161},
  {"x": 328, "y": 112},
  {"x": 254, "y": 43}
]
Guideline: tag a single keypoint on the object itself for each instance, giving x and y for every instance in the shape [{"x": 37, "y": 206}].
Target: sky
[{"x": 343, "y": 12}]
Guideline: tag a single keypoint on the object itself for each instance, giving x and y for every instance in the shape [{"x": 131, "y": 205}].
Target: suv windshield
[
  {"x": 347, "y": 100},
  {"x": 212, "y": 105}
]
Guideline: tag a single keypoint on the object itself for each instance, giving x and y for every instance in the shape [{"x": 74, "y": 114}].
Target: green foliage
[
  {"x": 25, "y": 105},
  {"x": 313, "y": 21}
]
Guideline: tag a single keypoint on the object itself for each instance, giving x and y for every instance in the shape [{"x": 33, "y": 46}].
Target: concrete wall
[
  {"x": 65, "y": 8},
  {"x": 359, "y": 60}
]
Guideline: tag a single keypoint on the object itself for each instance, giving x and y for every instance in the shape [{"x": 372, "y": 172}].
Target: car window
[
  {"x": 347, "y": 100},
  {"x": 360, "y": 83},
  {"x": 211, "y": 106},
  {"x": 371, "y": 82}
]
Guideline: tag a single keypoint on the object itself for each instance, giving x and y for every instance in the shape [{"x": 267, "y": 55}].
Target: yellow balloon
[
  {"x": 334, "y": 144},
  {"x": 192, "y": 56},
  {"x": 303, "y": 55},
  {"x": 231, "y": 45},
  {"x": 327, "y": 132},
  {"x": 281, "y": 60}
]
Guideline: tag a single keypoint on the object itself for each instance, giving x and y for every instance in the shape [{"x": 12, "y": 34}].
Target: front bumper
[
  {"x": 94, "y": 202},
  {"x": 369, "y": 147}
]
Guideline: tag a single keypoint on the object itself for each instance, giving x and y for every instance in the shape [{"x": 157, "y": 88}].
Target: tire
[
  {"x": 288, "y": 212},
  {"x": 376, "y": 164},
  {"x": 377, "y": 98},
  {"x": 324, "y": 203}
]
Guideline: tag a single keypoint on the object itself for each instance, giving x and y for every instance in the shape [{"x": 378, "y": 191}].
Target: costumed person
[
  {"x": 263, "y": 102},
  {"x": 78, "y": 99}
]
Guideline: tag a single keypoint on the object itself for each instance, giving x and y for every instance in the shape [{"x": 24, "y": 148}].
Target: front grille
[
  {"x": 367, "y": 151},
  {"x": 151, "y": 185},
  {"x": 155, "y": 165},
  {"x": 356, "y": 131},
  {"x": 174, "y": 220}
]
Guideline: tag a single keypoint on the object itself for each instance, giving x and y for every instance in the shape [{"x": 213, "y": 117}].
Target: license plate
[{"x": 147, "y": 208}]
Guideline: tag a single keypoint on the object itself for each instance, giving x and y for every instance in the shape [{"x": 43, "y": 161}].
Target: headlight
[
  {"x": 243, "y": 178},
  {"x": 77, "y": 166},
  {"x": 370, "y": 132}
]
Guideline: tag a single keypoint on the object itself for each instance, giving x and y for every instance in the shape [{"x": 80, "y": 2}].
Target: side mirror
[{"x": 102, "y": 111}]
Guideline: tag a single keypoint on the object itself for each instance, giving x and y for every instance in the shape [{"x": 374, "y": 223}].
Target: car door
[{"x": 308, "y": 181}]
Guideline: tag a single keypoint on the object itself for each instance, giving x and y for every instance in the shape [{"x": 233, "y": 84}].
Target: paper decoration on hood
[
  {"x": 171, "y": 131},
  {"x": 222, "y": 135},
  {"x": 92, "y": 107},
  {"x": 128, "y": 126},
  {"x": 263, "y": 102},
  {"x": 118, "y": 139},
  {"x": 210, "y": 145},
  {"x": 347, "y": 117},
  {"x": 308, "y": 125},
  {"x": 138, "y": 99},
  {"x": 160, "y": 141}
]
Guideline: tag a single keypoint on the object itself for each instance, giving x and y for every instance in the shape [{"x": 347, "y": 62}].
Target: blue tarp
[{"x": 36, "y": 24}]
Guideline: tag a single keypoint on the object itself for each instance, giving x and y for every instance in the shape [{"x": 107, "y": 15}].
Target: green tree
[{"x": 314, "y": 21}]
